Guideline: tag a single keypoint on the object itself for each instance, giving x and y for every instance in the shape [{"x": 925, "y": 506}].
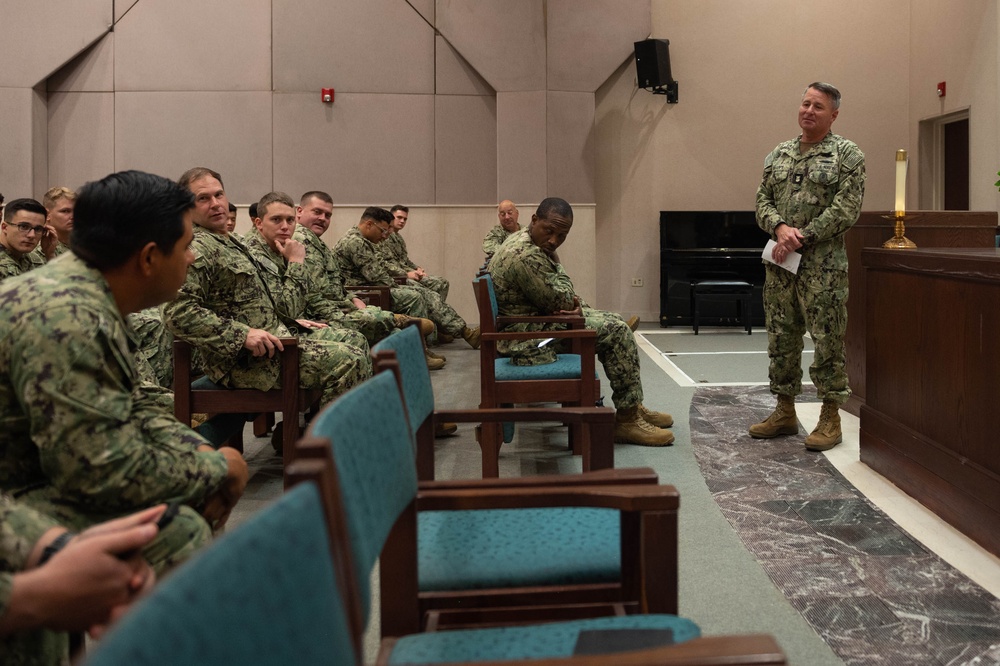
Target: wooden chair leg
[
  {"x": 263, "y": 424},
  {"x": 489, "y": 444}
]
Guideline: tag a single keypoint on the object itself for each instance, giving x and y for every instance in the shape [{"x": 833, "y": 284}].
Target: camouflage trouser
[
  {"x": 815, "y": 300},
  {"x": 616, "y": 350},
  {"x": 372, "y": 322},
  {"x": 408, "y": 301},
  {"x": 334, "y": 359},
  {"x": 40, "y": 647},
  {"x": 178, "y": 541},
  {"x": 155, "y": 344},
  {"x": 439, "y": 312},
  {"x": 434, "y": 283}
]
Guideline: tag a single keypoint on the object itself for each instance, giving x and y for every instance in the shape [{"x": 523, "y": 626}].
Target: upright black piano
[{"x": 708, "y": 245}]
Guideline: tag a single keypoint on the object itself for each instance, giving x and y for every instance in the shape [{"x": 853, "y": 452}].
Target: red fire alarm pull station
[
  {"x": 327, "y": 95},
  {"x": 941, "y": 89}
]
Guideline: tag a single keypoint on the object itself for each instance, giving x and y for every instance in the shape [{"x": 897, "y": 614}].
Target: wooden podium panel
[
  {"x": 928, "y": 229},
  {"x": 929, "y": 423}
]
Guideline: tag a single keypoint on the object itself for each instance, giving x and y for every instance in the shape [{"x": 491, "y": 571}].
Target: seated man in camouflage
[
  {"x": 227, "y": 312},
  {"x": 82, "y": 441},
  {"x": 361, "y": 264},
  {"x": 397, "y": 256},
  {"x": 53, "y": 581},
  {"x": 21, "y": 231},
  {"x": 507, "y": 213},
  {"x": 59, "y": 202},
  {"x": 529, "y": 280},
  {"x": 312, "y": 216}
]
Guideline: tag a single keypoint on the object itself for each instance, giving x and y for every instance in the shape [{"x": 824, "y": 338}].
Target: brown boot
[
  {"x": 782, "y": 420},
  {"x": 433, "y": 354},
  {"x": 444, "y": 338},
  {"x": 827, "y": 433},
  {"x": 426, "y": 325},
  {"x": 471, "y": 335},
  {"x": 631, "y": 428},
  {"x": 633, "y": 322},
  {"x": 658, "y": 419},
  {"x": 445, "y": 429},
  {"x": 433, "y": 363}
]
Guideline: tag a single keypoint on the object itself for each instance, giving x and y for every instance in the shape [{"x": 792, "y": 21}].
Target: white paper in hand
[{"x": 791, "y": 262}]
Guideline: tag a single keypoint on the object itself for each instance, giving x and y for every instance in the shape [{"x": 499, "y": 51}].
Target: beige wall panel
[
  {"x": 16, "y": 167},
  {"x": 453, "y": 75},
  {"x": 424, "y": 7},
  {"x": 194, "y": 45},
  {"x": 43, "y": 35},
  {"x": 504, "y": 40},
  {"x": 91, "y": 71},
  {"x": 81, "y": 142},
  {"x": 521, "y": 124},
  {"x": 589, "y": 39},
  {"x": 169, "y": 132},
  {"x": 706, "y": 152},
  {"x": 381, "y": 46},
  {"x": 363, "y": 149},
  {"x": 122, "y": 7},
  {"x": 570, "y": 141},
  {"x": 465, "y": 154},
  {"x": 957, "y": 43}
]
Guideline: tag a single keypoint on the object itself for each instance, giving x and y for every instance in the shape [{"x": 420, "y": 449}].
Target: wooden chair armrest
[
  {"x": 747, "y": 650},
  {"x": 629, "y": 497},
  {"x": 532, "y": 335},
  {"x": 571, "y": 320},
  {"x": 603, "y": 415},
  {"x": 628, "y": 475}
]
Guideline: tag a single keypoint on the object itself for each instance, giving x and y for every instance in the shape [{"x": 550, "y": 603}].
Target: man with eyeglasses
[{"x": 22, "y": 229}]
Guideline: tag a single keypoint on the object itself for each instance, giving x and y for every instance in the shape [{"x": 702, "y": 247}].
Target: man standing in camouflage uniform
[
  {"x": 361, "y": 264},
  {"x": 530, "y": 281},
  {"x": 21, "y": 231},
  {"x": 227, "y": 312},
  {"x": 397, "y": 257},
  {"x": 809, "y": 196},
  {"x": 52, "y": 581},
  {"x": 82, "y": 441},
  {"x": 507, "y": 213}
]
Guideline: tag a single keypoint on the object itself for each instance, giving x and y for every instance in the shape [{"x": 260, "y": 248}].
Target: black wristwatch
[{"x": 57, "y": 544}]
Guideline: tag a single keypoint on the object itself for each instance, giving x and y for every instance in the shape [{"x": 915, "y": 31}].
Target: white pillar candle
[{"x": 900, "y": 181}]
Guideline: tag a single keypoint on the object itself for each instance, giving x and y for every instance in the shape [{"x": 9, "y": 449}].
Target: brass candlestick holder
[{"x": 899, "y": 241}]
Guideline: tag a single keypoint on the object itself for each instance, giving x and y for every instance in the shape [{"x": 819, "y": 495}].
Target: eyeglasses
[
  {"x": 384, "y": 230},
  {"x": 24, "y": 228}
]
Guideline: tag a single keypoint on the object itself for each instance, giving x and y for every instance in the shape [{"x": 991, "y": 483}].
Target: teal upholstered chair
[
  {"x": 267, "y": 592},
  {"x": 371, "y": 484},
  {"x": 405, "y": 348},
  {"x": 604, "y": 541},
  {"x": 571, "y": 381}
]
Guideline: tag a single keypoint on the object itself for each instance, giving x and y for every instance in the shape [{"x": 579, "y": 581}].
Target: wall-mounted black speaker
[{"x": 652, "y": 67}]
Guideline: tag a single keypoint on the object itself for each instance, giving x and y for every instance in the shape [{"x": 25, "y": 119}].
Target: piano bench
[{"x": 741, "y": 292}]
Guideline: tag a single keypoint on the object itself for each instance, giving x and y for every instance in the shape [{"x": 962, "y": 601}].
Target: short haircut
[
  {"x": 401, "y": 207},
  {"x": 232, "y": 207},
  {"x": 270, "y": 198},
  {"x": 29, "y": 205},
  {"x": 554, "y": 205},
  {"x": 197, "y": 173},
  {"x": 253, "y": 211},
  {"x": 55, "y": 194},
  {"x": 316, "y": 194},
  {"x": 827, "y": 89},
  {"x": 377, "y": 214},
  {"x": 117, "y": 216}
]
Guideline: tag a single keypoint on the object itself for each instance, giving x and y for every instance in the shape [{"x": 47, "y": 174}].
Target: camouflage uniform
[
  {"x": 326, "y": 282},
  {"x": 224, "y": 297},
  {"x": 819, "y": 193},
  {"x": 495, "y": 238},
  {"x": 10, "y": 266},
  {"x": 289, "y": 283},
  {"x": 61, "y": 248},
  {"x": 397, "y": 258},
  {"x": 20, "y": 529},
  {"x": 155, "y": 345},
  {"x": 529, "y": 283},
  {"x": 79, "y": 439}
]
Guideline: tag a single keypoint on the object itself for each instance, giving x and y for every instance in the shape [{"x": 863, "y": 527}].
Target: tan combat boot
[
  {"x": 631, "y": 428},
  {"x": 432, "y": 362},
  {"x": 432, "y": 354},
  {"x": 782, "y": 420},
  {"x": 471, "y": 335},
  {"x": 633, "y": 322},
  {"x": 426, "y": 325},
  {"x": 445, "y": 429},
  {"x": 658, "y": 419},
  {"x": 444, "y": 338},
  {"x": 827, "y": 433}
]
